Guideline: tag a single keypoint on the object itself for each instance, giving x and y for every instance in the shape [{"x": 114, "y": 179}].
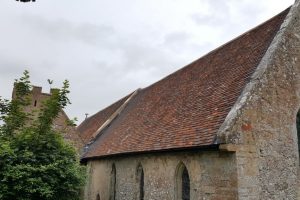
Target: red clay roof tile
[
  {"x": 90, "y": 125},
  {"x": 186, "y": 108}
]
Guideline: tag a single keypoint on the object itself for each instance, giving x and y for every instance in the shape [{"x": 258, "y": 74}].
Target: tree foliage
[{"x": 35, "y": 162}]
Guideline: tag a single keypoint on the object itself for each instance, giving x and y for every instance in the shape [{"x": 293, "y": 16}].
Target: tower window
[{"x": 35, "y": 103}]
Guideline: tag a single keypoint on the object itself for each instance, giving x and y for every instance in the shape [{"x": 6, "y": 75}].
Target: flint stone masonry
[
  {"x": 265, "y": 118},
  {"x": 255, "y": 154},
  {"x": 212, "y": 176}
]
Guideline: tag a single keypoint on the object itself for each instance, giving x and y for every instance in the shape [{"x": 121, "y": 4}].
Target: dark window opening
[
  {"x": 185, "y": 185},
  {"x": 140, "y": 180},
  {"x": 142, "y": 186},
  {"x": 98, "y": 197},
  {"x": 298, "y": 130},
  {"x": 182, "y": 185},
  {"x": 35, "y": 103},
  {"x": 113, "y": 180}
]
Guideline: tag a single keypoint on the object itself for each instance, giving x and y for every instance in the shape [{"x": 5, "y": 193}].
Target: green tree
[{"x": 35, "y": 162}]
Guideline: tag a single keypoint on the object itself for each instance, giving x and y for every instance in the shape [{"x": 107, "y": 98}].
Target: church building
[{"x": 220, "y": 128}]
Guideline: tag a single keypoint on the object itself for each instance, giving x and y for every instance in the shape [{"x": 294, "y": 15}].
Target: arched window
[
  {"x": 112, "y": 193},
  {"x": 182, "y": 183},
  {"x": 98, "y": 197},
  {"x": 140, "y": 181}
]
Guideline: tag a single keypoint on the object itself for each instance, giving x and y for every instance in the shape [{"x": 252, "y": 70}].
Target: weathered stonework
[
  {"x": 60, "y": 124},
  {"x": 257, "y": 146},
  {"x": 265, "y": 118},
  {"x": 212, "y": 175}
]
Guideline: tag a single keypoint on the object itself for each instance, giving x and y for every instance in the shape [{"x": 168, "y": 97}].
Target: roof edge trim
[
  {"x": 113, "y": 116},
  {"x": 210, "y": 147},
  {"x": 97, "y": 133}
]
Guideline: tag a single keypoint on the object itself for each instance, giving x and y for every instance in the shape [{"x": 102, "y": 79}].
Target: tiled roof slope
[
  {"x": 90, "y": 125},
  {"x": 186, "y": 109}
]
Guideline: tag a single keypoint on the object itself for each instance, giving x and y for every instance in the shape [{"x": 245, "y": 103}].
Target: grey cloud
[
  {"x": 201, "y": 20},
  {"x": 147, "y": 60},
  {"x": 227, "y": 21},
  {"x": 217, "y": 11},
  {"x": 222, "y": 14},
  {"x": 177, "y": 41},
  {"x": 106, "y": 61},
  {"x": 135, "y": 53},
  {"x": 64, "y": 30},
  {"x": 182, "y": 42},
  {"x": 10, "y": 66},
  {"x": 137, "y": 58},
  {"x": 174, "y": 37}
]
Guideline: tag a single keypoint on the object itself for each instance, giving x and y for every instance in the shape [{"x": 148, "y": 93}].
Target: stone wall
[
  {"x": 264, "y": 119},
  {"x": 258, "y": 157},
  {"x": 212, "y": 176}
]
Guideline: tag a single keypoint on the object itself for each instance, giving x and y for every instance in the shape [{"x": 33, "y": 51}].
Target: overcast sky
[{"x": 108, "y": 48}]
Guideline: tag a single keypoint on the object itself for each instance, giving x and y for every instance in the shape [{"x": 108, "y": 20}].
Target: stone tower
[{"x": 37, "y": 97}]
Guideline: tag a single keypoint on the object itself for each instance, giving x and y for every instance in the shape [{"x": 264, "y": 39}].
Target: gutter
[{"x": 209, "y": 147}]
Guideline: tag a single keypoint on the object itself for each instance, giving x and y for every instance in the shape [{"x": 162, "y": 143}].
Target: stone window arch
[
  {"x": 113, "y": 179},
  {"x": 140, "y": 182},
  {"x": 182, "y": 182}
]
